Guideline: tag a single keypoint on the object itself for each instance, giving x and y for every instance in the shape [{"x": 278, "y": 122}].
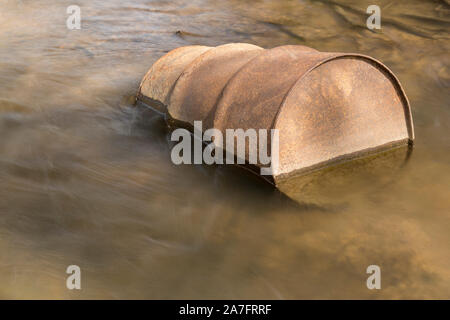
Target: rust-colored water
[{"x": 86, "y": 179}]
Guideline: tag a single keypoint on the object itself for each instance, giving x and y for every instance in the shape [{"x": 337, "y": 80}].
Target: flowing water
[{"x": 86, "y": 177}]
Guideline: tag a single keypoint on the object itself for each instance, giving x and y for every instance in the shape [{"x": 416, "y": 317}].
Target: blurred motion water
[{"x": 86, "y": 178}]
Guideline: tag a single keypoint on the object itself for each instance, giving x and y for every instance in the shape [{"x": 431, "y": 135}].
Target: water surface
[{"x": 86, "y": 178}]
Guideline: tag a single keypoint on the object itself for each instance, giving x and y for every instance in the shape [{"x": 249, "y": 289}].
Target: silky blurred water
[{"x": 86, "y": 178}]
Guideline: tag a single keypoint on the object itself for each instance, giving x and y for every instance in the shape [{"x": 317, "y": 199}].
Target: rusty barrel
[{"x": 327, "y": 107}]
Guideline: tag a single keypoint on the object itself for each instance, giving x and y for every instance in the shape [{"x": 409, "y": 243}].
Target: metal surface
[
  {"x": 328, "y": 107},
  {"x": 196, "y": 90},
  {"x": 156, "y": 85}
]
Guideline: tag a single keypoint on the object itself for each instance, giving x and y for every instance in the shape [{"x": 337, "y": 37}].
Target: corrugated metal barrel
[{"x": 327, "y": 106}]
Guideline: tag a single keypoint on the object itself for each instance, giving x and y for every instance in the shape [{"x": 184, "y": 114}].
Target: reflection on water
[
  {"x": 86, "y": 178},
  {"x": 344, "y": 181}
]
